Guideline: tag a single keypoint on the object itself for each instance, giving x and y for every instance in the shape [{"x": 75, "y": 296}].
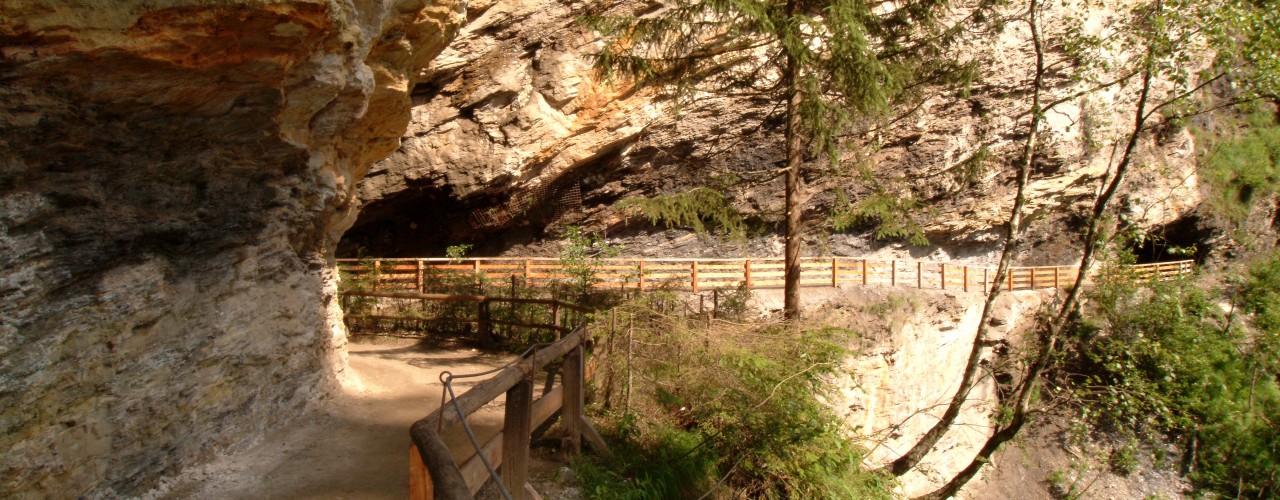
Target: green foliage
[
  {"x": 581, "y": 258},
  {"x": 1124, "y": 458},
  {"x": 455, "y": 253},
  {"x": 357, "y": 281},
  {"x": 700, "y": 209},
  {"x": 1242, "y": 166},
  {"x": 746, "y": 418},
  {"x": 892, "y": 215},
  {"x": 1170, "y": 359}
]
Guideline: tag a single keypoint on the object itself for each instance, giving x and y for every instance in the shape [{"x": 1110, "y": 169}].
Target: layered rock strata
[
  {"x": 172, "y": 183},
  {"x": 515, "y": 104}
]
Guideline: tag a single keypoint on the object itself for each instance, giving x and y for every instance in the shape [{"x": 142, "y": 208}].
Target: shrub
[
  {"x": 1170, "y": 359},
  {"x": 738, "y": 408}
]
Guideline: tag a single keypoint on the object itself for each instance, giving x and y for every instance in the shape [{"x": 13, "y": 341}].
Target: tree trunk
[
  {"x": 1052, "y": 332},
  {"x": 926, "y": 443},
  {"x": 791, "y": 236}
]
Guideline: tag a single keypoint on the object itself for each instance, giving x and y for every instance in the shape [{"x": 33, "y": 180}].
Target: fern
[
  {"x": 890, "y": 213},
  {"x": 702, "y": 210}
]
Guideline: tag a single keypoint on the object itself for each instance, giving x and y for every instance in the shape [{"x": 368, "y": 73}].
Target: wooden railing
[
  {"x": 699, "y": 274},
  {"x": 432, "y": 471},
  {"x": 483, "y": 319}
]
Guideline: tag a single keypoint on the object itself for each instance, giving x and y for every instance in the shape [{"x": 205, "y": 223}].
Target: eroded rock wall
[
  {"x": 516, "y": 104},
  {"x": 906, "y": 366},
  {"x": 173, "y": 180}
]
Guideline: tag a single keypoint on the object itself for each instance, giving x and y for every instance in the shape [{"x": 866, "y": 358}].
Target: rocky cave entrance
[{"x": 1187, "y": 237}]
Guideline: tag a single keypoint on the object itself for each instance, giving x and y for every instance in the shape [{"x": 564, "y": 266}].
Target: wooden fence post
[
  {"x": 1033, "y": 278},
  {"x": 515, "y": 438},
  {"x": 985, "y": 280},
  {"x": 693, "y": 275},
  {"x": 571, "y": 412},
  {"x": 893, "y": 273},
  {"x": 475, "y": 271},
  {"x": 377, "y": 274},
  {"x": 421, "y": 289},
  {"x": 1055, "y": 278},
  {"x": 483, "y": 325},
  {"x": 835, "y": 273},
  {"x": 919, "y": 274},
  {"x": 944, "y": 275},
  {"x": 640, "y": 284},
  {"x": 526, "y": 272},
  {"x": 1011, "y": 271},
  {"x": 966, "y": 278},
  {"x": 864, "y": 272},
  {"x": 746, "y": 271},
  {"x": 555, "y": 318}
]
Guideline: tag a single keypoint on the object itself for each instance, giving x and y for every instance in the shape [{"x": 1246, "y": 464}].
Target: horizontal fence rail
[
  {"x": 436, "y": 311},
  {"x": 699, "y": 274}
]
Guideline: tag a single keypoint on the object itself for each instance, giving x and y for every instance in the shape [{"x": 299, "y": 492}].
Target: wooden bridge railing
[
  {"x": 699, "y": 274},
  {"x": 433, "y": 473}
]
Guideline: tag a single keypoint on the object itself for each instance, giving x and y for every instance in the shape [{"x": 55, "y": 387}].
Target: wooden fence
[
  {"x": 699, "y": 274},
  {"x": 558, "y": 318},
  {"x": 433, "y": 473}
]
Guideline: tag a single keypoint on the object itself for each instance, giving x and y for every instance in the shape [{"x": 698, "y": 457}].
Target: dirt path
[{"x": 354, "y": 445}]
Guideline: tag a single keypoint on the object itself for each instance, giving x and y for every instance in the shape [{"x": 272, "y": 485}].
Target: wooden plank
[
  {"x": 473, "y": 469},
  {"x": 571, "y": 411},
  {"x": 546, "y": 406},
  {"x": 420, "y": 487},
  {"x": 594, "y": 438},
  {"x": 516, "y": 429},
  {"x": 422, "y": 296},
  {"x": 693, "y": 276},
  {"x": 446, "y": 478}
]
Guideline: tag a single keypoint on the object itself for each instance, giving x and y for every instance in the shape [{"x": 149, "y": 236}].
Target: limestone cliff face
[
  {"x": 514, "y": 104},
  {"x": 172, "y": 183}
]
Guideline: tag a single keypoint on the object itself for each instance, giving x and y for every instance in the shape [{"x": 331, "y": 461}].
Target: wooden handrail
[
  {"x": 443, "y": 297},
  {"x": 754, "y": 273},
  {"x": 446, "y": 477}
]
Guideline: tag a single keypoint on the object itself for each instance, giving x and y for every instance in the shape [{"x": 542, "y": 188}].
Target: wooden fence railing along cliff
[
  {"x": 756, "y": 273},
  {"x": 433, "y": 473}
]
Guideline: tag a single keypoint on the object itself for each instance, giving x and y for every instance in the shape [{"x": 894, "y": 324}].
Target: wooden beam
[
  {"x": 571, "y": 411},
  {"x": 473, "y": 470},
  {"x": 484, "y": 392},
  {"x": 693, "y": 275},
  {"x": 420, "y": 487},
  {"x": 594, "y": 437},
  {"x": 516, "y": 427},
  {"x": 445, "y": 477}
]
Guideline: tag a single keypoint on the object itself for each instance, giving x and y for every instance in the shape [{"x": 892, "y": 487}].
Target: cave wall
[
  {"x": 173, "y": 180},
  {"x": 515, "y": 103}
]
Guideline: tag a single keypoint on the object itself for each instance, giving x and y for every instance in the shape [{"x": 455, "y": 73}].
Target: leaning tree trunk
[
  {"x": 1050, "y": 333},
  {"x": 791, "y": 236},
  {"x": 926, "y": 442}
]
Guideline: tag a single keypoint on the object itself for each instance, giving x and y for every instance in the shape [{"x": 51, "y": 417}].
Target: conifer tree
[{"x": 834, "y": 63}]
